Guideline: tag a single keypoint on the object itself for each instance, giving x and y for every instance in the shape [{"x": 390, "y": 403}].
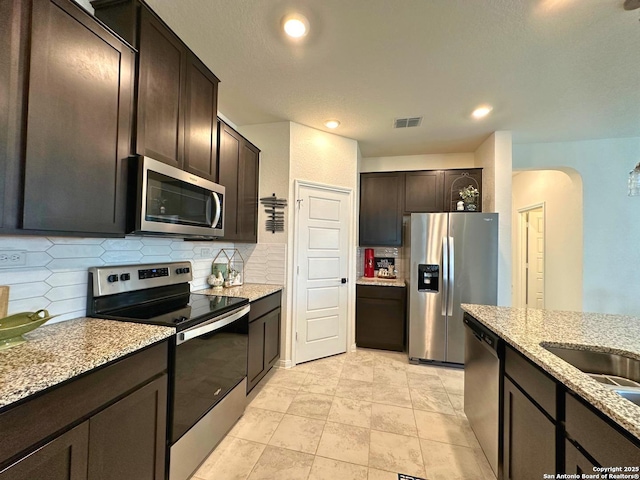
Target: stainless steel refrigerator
[{"x": 453, "y": 260}]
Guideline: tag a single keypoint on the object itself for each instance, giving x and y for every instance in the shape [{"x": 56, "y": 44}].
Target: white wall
[
  {"x": 417, "y": 162},
  {"x": 494, "y": 157},
  {"x": 611, "y": 230},
  {"x": 561, "y": 194}
]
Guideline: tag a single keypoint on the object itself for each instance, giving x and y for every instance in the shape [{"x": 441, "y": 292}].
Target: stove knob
[
  {"x": 112, "y": 278},
  {"x": 185, "y": 270},
  {"x": 125, "y": 276},
  {"x": 179, "y": 271}
]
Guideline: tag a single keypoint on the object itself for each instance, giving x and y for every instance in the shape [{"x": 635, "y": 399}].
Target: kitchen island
[{"x": 584, "y": 423}]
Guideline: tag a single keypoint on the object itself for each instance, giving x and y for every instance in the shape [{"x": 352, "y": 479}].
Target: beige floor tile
[
  {"x": 359, "y": 358},
  {"x": 392, "y": 419},
  {"x": 328, "y": 469},
  {"x": 375, "y": 474},
  {"x": 313, "y": 405},
  {"x": 331, "y": 366},
  {"x": 357, "y": 371},
  {"x": 282, "y": 464},
  {"x": 389, "y": 375},
  {"x": 318, "y": 383},
  {"x": 453, "y": 384},
  {"x": 397, "y": 453},
  {"x": 391, "y": 395},
  {"x": 256, "y": 425},
  {"x": 354, "y": 389},
  {"x": 431, "y": 400},
  {"x": 287, "y": 379},
  {"x": 443, "y": 428},
  {"x": 457, "y": 401},
  {"x": 298, "y": 433},
  {"x": 345, "y": 442},
  {"x": 451, "y": 372},
  {"x": 422, "y": 369},
  {"x": 233, "y": 459},
  {"x": 483, "y": 463},
  {"x": 273, "y": 398},
  {"x": 428, "y": 382},
  {"x": 396, "y": 360},
  {"x": 350, "y": 412},
  {"x": 450, "y": 462}
]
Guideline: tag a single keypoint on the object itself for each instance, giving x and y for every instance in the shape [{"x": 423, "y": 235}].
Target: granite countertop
[
  {"x": 381, "y": 282},
  {"x": 58, "y": 352},
  {"x": 252, "y": 291},
  {"x": 524, "y": 329}
]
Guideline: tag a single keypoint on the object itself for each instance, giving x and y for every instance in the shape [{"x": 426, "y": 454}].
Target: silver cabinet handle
[{"x": 211, "y": 325}]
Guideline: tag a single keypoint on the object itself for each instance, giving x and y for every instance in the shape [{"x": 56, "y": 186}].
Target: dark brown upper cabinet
[
  {"x": 238, "y": 173},
  {"x": 69, "y": 120},
  {"x": 381, "y": 204},
  {"x": 455, "y": 180},
  {"x": 423, "y": 191},
  {"x": 177, "y": 95}
]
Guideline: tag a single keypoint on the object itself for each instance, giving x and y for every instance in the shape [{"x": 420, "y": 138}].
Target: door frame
[
  {"x": 351, "y": 268},
  {"x": 521, "y": 250}
]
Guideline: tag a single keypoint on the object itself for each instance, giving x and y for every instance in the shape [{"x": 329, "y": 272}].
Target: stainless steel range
[{"x": 208, "y": 355}]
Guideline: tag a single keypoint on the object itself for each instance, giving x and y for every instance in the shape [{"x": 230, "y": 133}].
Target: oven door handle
[{"x": 210, "y": 326}]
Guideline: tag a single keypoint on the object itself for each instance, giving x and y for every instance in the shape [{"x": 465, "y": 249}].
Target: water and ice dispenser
[{"x": 428, "y": 278}]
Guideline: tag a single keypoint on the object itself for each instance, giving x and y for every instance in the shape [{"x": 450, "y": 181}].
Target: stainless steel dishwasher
[{"x": 482, "y": 386}]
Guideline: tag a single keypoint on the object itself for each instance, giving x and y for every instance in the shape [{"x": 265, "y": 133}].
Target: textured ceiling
[{"x": 554, "y": 70}]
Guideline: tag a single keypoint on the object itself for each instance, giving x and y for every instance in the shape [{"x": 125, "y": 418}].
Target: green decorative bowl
[{"x": 14, "y": 326}]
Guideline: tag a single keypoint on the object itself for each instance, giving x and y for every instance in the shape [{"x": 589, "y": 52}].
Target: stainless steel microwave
[{"x": 170, "y": 201}]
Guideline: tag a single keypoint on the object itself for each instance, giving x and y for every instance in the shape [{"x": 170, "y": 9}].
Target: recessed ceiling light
[
  {"x": 295, "y": 25},
  {"x": 332, "y": 124},
  {"x": 482, "y": 111}
]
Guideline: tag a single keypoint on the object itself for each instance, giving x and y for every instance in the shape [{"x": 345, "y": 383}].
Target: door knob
[{"x": 344, "y": 280}]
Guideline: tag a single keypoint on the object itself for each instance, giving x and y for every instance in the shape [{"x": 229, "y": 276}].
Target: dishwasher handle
[{"x": 487, "y": 338}]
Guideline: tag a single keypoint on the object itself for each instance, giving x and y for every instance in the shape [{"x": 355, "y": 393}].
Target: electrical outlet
[
  {"x": 12, "y": 258},
  {"x": 205, "y": 252}
]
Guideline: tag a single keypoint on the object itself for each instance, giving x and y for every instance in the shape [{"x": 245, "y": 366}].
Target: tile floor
[{"x": 365, "y": 415}]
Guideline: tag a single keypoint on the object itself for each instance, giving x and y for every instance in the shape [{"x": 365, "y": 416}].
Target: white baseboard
[
  {"x": 353, "y": 348},
  {"x": 285, "y": 363}
]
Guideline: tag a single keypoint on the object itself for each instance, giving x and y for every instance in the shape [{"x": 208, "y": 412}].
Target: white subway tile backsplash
[{"x": 55, "y": 277}]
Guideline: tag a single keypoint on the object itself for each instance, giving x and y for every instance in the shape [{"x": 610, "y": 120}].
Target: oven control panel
[{"x": 114, "y": 279}]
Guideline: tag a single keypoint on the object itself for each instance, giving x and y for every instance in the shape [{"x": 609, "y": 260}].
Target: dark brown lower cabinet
[
  {"x": 264, "y": 338},
  {"x": 529, "y": 437},
  {"x": 381, "y": 320},
  {"x": 63, "y": 458},
  {"x": 109, "y": 424},
  {"x": 575, "y": 462}
]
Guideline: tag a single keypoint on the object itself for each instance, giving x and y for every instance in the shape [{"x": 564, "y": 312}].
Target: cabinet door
[
  {"x": 381, "y": 209},
  {"x": 529, "y": 437},
  {"x": 162, "y": 64},
  {"x": 64, "y": 458},
  {"x": 201, "y": 121},
  {"x": 255, "y": 360},
  {"x": 575, "y": 461},
  {"x": 127, "y": 439},
  {"x": 423, "y": 191},
  {"x": 271, "y": 338},
  {"x": 229, "y": 164},
  {"x": 380, "y": 317},
  {"x": 247, "y": 219},
  {"x": 454, "y": 180},
  {"x": 78, "y": 123}
]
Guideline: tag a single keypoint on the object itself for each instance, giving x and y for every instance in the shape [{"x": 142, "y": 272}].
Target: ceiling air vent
[{"x": 407, "y": 122}]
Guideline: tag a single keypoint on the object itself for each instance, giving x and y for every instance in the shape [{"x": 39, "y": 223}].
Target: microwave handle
[{"x": 218, "y": 207}]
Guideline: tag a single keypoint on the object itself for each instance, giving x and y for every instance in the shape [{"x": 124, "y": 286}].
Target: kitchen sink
[{"x": 617, "y": 372}]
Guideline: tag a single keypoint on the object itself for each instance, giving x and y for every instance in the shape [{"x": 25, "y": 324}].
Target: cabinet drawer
[
  {"x": 29, "y": 423},
  {"x": 372, "y": 291},
  {"x": 264, "y": 305},
  {"x": 538, "y": 385},
  {"x": 601, "y": 440}
]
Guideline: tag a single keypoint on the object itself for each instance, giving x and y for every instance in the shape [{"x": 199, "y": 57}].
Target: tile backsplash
[
  {"x": 393, "y": 252},
  {"x": 55, "y": 274}
]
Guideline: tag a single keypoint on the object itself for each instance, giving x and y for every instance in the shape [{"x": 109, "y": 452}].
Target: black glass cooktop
[{"x": 181, "y": 311}]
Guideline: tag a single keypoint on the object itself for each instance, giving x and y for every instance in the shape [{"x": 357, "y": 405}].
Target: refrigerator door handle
[
  {"x": 451, "y": 278},
  {"x": 445, "y": 274}
]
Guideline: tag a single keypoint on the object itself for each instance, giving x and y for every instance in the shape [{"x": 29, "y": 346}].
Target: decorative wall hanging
[{"x": 274, "y": 207}]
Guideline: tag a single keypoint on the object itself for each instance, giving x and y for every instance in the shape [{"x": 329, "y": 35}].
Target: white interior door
[
  {"x": 535, "y": 258},
  {"x": 321, "y": 265}
]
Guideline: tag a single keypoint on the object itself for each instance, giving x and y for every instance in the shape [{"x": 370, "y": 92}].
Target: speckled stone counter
[
  {"x": 252, "y": 291},
  {"x": 525, "y": 329},
  {"x": 58, "y": 352},
  {"x": 381, "y": 282}
]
